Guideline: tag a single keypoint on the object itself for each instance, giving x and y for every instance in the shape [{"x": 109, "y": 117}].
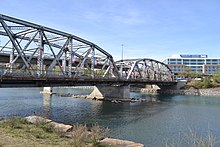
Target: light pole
[
  {"x": 121, "y": 70},
  {"x": 122, "y": 52}
]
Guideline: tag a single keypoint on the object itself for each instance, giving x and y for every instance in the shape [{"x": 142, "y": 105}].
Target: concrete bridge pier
[
  {"x": 116, "y": 92},
  {"x": 47, "y": 90}
]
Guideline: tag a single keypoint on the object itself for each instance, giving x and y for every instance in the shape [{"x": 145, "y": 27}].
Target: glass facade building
[{"x": 197, "y": 63}]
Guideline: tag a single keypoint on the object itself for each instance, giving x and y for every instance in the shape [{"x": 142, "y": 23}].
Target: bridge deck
[{"x": 63, "y": 81}]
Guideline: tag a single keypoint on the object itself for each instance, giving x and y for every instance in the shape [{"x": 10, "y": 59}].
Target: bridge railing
[
  {"x": 56, "y": 73},
  {"x": 16, "y": 73}
]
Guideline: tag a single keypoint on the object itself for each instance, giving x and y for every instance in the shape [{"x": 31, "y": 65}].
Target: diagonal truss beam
[
  {"x": 17, "y": 47},
  {"x": 33, "y": 42}
]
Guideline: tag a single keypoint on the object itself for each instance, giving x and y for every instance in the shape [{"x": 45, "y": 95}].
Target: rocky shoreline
[
  {"x": 113, "y": 100},
  {"x": 195, "y": 92},
  {"x": 191, "y": 91},
  {"x": 68, "y": 131}
]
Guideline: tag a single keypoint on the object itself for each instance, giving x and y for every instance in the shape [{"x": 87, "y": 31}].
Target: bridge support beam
[{"x": 111, "y": 92}]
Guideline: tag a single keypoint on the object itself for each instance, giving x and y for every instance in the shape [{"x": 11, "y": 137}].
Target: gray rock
[
  {"x": 37, "y": 119},
  {"x": 121, "y": 143},
  {"x": 61, "y": 127},
  {"x": 57, "y": 126}
]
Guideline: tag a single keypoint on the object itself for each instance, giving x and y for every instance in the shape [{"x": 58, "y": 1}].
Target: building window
[
  {"x": 208, "y": 61},
  {"x": 200, "y": 61},
  {"x": 214, "y": 61},
  {"x": 185, "y": 61}
]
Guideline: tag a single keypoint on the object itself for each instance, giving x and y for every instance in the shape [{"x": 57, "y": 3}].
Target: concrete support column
[
  {"x": 40, "y": 57},
  {"x": 11, "y": 59},
  {"x": 47, "y": 90},
  {"x": 111, "y": 92},
  {"x": 64, "y": 62},
  {"x": 71, "y": 54}
]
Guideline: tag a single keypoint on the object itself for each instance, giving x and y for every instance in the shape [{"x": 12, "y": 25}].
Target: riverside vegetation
[
  {"x": 192, "y": 139},
  {"x": 206, "y": 82},
  {"x": 18, "y": 132}
]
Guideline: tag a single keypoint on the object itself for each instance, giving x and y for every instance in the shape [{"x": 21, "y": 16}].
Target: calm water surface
[{"x": 152, "y": 124}]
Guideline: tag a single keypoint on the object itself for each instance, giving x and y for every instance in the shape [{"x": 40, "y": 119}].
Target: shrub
[
  {"x": 14, "y": 122},
  {"x": 97, "y": 133},
  {"x": 46, "y": 127},
  {"x": 197, "y": 84},
  {"x": 216, "y": 77},
  {"x": 207, "y": 83},
  {"x": 80, "y": 136}
]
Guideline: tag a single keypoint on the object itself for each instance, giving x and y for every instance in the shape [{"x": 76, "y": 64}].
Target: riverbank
[
  {"x": 195, "y": 92},
  {"x": 191, "y": 91},
  {"x": 38, "y": 131}
]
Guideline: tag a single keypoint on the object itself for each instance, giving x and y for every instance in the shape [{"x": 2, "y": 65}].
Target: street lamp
[
  {"x": 122, "y": 52},
  {"x": 121, "y": 70}
]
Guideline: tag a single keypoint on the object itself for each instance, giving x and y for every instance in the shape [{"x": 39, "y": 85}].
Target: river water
[{"x": 169, "y": 120}]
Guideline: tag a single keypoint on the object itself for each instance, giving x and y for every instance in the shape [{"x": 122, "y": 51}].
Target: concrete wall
[
  {"x": 179, "y": 85},
  {"x": 196, "y": 92}
]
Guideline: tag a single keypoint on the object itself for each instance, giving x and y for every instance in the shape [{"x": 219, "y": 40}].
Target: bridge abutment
[
  {"x": 179, "y": 85},
  {"x": 111, "y": 92}
]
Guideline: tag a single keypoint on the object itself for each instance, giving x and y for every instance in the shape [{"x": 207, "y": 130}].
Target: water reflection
[{"x": 47, "y": 105}]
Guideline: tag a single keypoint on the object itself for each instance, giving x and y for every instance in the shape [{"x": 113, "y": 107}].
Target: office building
[{"x": 196, "y": 63}]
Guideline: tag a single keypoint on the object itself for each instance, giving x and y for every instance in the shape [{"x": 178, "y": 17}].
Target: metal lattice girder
[
  {"x": 40, "y": 51},
  {"x": 145, "y": 68}
]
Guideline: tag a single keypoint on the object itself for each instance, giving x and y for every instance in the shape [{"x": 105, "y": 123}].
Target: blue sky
[{"x": 147, "y": 28}]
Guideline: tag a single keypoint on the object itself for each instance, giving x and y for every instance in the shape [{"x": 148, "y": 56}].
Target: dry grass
[
  {"x": 17, "y": 132},
  {"x": 193, "y": 140}
]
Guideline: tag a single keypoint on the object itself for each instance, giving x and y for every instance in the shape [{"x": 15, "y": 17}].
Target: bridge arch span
[{"x": 37, "y": 51}]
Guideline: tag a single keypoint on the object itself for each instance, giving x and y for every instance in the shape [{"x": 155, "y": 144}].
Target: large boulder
[
  {"x": 57, "y": 126},
  {"x": 121, "y": 143},
  {"x": 61, "y": 127},
  {"x": 37, "y": 119}
]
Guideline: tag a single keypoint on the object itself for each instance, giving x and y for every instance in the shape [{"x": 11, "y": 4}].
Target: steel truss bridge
[{"x": 34, "y": 55}]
